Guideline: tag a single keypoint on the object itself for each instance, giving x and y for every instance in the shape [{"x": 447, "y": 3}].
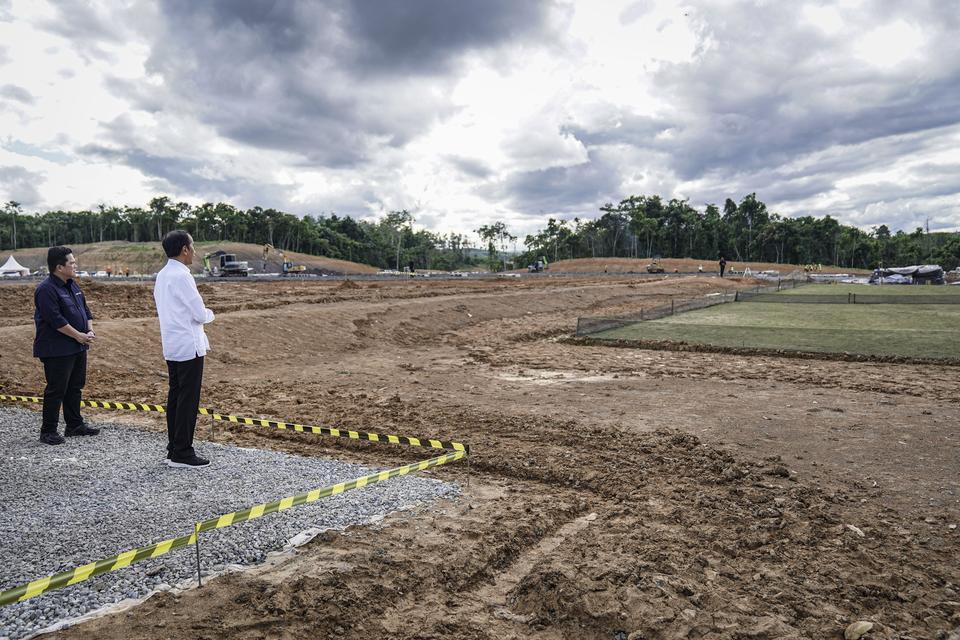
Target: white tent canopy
[{"x": 12, "y": 267}]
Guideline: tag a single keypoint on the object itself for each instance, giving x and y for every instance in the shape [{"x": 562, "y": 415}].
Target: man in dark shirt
[{"x": 64, "y": 333}]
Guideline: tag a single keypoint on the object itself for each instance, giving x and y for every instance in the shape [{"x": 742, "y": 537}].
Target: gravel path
[{"x": 93, "y": 497}]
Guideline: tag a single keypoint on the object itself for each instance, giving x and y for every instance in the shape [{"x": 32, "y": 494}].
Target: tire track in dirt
[
  {"x": 756, "y": 530},
  {"x": 494, "y": 596}
]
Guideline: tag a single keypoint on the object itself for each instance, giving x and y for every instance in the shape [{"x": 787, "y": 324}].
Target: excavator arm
[{"x": 287, "y": 267}]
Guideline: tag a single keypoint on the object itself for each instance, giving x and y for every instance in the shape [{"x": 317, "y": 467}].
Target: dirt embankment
[
  {"x": 148, "y": 257},
  {"x": 613, "y": 493},
  {"x": 679, "y": 345}
]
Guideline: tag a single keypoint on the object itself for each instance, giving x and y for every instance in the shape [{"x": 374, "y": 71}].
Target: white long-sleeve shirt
[{"x": 182, "y": 313}]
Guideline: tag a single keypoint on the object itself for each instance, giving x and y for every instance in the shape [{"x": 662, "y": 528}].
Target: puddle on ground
[{"x": 549, "y": 377}]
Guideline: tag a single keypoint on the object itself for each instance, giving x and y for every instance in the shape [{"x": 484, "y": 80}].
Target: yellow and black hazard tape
[
  {"x": 262, "y": 422},
  {"x": 341, "y": 433},
  {"x": 260, "y": 510},
  {"x": 87, "y": 571},
  {"x": 96, "y": 404}
]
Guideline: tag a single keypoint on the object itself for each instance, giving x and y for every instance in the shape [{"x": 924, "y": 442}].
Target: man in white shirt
[{"x": 182, "y": 316}]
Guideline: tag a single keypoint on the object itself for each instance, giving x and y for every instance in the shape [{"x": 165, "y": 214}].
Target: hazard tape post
[{"x": 122, "y": 560}]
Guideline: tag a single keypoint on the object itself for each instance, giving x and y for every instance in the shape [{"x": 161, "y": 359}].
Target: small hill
[
  {"x": 682, "y": 265},
  {"x": 148, "y": 257},
  {"x": 253, "y": 254}
]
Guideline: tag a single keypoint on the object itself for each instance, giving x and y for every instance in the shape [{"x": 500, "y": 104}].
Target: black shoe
[
  {"x": 188, "y": 463},
  {"x": 51, "y": 438},
  {"x": 82, "y": 430}
]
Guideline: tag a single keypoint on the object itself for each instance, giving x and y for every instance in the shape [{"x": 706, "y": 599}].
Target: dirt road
[{"x": 614, "y": 493}]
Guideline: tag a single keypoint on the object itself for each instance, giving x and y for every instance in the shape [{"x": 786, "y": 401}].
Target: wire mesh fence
[
  {"x": 589, "y": 326},
  {"x": 848, "y": 298},
  {"x": 592, "y": 325}
]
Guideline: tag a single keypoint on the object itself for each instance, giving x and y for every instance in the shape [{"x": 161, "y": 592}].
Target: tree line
[
  {"x": 637, "y": 226},
  {"x": 647, "y": 226},
  {"x": 390, "y": 242}
]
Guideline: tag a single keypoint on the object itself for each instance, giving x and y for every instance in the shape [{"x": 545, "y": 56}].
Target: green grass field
[{"x": 908, "y": 330}]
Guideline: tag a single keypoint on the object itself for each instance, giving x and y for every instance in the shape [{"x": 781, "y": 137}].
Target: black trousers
[
  {"x": 65, "y": 376},
  {"x": 183, "y": 401}
]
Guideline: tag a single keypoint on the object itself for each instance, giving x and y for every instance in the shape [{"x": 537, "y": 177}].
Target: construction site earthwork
[{"x": 741, "y": 466}]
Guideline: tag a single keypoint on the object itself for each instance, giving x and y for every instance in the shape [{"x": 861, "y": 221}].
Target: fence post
[
  {"x": 671, "y": 306},
  {"x": 736, "y": 296},
  {"x": 196, "y": 536}
]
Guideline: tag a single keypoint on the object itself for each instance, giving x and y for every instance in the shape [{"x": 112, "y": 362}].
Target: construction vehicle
[
  {"x": 288, "y": 268},
  {"x": 655, "y": 266},
  {"x": 539, "y": 266},
  {"x": 221, "y": 264}
]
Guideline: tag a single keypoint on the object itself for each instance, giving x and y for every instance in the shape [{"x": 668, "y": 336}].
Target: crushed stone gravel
[{"x": 93, "y": 497}]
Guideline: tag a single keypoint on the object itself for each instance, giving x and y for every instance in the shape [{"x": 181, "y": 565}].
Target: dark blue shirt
[{"x": 57, "y": 303}]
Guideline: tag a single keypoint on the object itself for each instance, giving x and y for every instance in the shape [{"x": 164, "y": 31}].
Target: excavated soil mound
[{"x": 348, "y": 284}]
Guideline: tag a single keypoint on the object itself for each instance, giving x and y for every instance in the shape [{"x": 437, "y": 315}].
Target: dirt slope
[
  {"x": 613, "y": 493},
  {"x": 148, "y": 257}
]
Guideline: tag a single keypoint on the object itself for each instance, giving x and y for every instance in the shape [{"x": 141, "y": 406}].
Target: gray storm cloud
[{"x": 769, "y": 102}]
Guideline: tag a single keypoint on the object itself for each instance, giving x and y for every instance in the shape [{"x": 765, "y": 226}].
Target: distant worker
[
  {"x": 411, "y": 267},
  {"x": 64, "y": 334},
  {"x": 723, "y": 265},
  {"x": 182, "y": 316}
]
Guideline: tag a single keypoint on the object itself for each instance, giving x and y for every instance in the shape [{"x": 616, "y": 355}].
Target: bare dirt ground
[{"x": 614, "y": 493}]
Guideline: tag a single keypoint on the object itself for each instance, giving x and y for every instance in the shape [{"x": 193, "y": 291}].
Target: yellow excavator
[
  {"x": 656, "y": 266},
  {"x": 287, "y": 266}
]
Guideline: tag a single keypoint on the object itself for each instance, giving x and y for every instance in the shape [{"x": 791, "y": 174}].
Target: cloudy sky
[{"x": 469, "y": 111}]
